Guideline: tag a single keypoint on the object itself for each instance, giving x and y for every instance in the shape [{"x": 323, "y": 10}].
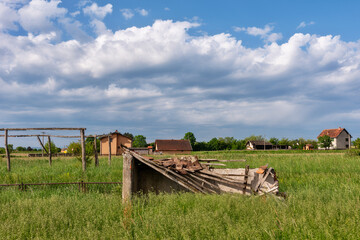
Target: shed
[
  {"x": 258, "y": 145},
  {"x": 117, "y": 140},
  {"x": 173, "y": 146}
]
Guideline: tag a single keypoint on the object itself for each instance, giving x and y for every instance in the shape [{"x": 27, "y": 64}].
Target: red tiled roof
[
  {"x": 333, "y": 133},
  {"x": 173, "y": 145}
]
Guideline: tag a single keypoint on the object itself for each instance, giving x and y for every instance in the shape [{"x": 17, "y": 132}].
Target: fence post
[
  {"x": 128, "y": 165},
  {"x": 7, "y": 151},
  {"x": 49, "y": 147},
  {"x": 109, "y": 139},
  {"x": 83, "y": 153},
  {"x": 95, "y": 151}
]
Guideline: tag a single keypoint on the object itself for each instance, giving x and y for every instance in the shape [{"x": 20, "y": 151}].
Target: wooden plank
[
  {"x": 213, "y": 164},
  {"x": 262, "y": 180},
  {"x": 109, "y": 157},
  {"x": 49, "y": 146},
  {"x": 246, "y": 178},
  {"x": 7, "y": 151},
  {"x": 95, "y": 152},
  {"x": 42, "y": 145},
  {"x": 26, "y": 129},
  {"x": 83, "y": 150},
  {"x": 35, "y": 135},
  {"x": 216, "y": 160}
]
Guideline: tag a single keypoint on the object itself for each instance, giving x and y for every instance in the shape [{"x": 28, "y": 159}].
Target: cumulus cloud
[
  {"x": 142, "y": 12},
  {"x": 8, "y": 17},
  {"x": 37, "y": 16},
  {"x": 98, "y": 12},
  {"x": 264, "y": 33},
  {"x": 162, "y": 74},
  {"x": 127, "y": 13},
  {"x": 304, "y": 24}
]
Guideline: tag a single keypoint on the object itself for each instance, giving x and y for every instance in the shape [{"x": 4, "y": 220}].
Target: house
[
  {"x": 308, "y": 147},
  {"x": 117, "y": 140},
  {"x": 259, "y": 145},
  {"x": 340, "y": 138},
  {"x": 173, "y": 146}
]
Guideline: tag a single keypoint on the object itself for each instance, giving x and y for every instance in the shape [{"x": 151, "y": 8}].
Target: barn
[
  {"x": 173, "y": 146},
  {"x": 117, "y": 140}
]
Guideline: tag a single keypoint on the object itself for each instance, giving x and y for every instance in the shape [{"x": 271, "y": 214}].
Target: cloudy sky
[{"x": 161, "y": 68}]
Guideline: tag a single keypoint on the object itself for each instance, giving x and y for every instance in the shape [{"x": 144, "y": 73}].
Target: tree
[
  {"x": 54, "y": 149},
  {"x": 129, "y": 135},
  {"x": 325, "y": 141},
  {"x": 255, "y": 138},
  {"x": 139, "y": 141},
  {"x": 356, "y": 143},
  {"x": 213, "y": 144},
  {"x": 20, "y": 149},
  {"x": 274, "y": 141},
  {"x": 285, "y": 141},
  {"x": 191, "y": 137},
  {"x": 90, "y": 140},
  {"x": 29, "y": 149}
]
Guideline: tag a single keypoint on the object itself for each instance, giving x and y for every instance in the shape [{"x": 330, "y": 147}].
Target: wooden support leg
[
  {"x": 83, "y": 153},
  {"x": 95, "y": 152},
  {"x": 109, "y": 139},
  {"x": 7, "y": 151},
  {"x": 49, "y": 146}
]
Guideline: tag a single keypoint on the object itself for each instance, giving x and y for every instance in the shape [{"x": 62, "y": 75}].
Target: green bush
[{"x": 352, "y": 152}]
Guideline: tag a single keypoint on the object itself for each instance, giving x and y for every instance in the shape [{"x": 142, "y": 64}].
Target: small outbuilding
[
  {"x": 173, "y": 146},
  {"x": 259, "y": 145},
  {"x": 117, "y": 140},
  {"x": 308, "y": 147},
  {"x": 340, "y": 138}
]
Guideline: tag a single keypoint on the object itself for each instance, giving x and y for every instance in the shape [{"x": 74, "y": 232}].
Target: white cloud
[
  {"x": 98, "y": 12},
  {"x": 142, "y": 12},
  {"x": 264, "y": 33},
  {"x": 8, "y": 17},
  {"x": 74, "y": 14},
  {"x": 304, "y": 24},
  {"x": 163, "y": 70},
  {"x": 127, "y": 13},
  {"x": 167, "y": 9},
  {"x": 37, "y": 16}
]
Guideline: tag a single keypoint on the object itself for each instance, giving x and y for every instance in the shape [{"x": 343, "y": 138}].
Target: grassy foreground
[{"x": 323, "y": 203}]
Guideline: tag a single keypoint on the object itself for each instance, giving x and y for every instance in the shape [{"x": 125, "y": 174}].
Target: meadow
[{"x": 323, "y": 202}]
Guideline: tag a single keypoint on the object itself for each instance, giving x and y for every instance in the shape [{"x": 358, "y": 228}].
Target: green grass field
[{"x": 323, "y": 202}]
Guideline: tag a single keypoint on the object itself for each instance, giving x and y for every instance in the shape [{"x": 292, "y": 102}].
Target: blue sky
[{"x": 162, "y": 68}]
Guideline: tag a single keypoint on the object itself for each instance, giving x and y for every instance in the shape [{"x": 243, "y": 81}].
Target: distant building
[
  {"x": 308, "y": 147},
  {"x": 259, "y": 145},
  {"x": 340, "y": 138},
  {"x": 173, "y": 146},
  {"x": 117, "y": 140},
  {"x": 143, "y": 150}
]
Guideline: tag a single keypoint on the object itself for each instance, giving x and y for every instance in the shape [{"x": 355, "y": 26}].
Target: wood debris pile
[{"x": 198, "y": 175}]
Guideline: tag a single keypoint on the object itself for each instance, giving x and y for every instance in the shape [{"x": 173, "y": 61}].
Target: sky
[{"x": 163, "y": 68}]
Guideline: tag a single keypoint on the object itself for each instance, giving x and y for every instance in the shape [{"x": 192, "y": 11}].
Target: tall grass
[{"x": 323, "y": 203}]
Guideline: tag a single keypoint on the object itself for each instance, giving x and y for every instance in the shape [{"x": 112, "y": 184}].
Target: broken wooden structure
[{"x": 144, "y": 174}]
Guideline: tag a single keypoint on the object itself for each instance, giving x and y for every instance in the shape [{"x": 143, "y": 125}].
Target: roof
[
  {"x": 116, "y": 132},
  {"x": 173, "y": 145},
  {"x": 333, "y": 133},
  {"x": 260, "y": 143}
]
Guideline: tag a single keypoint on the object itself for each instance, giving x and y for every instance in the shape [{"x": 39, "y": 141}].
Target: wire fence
[{"x": 83, "y": 186}]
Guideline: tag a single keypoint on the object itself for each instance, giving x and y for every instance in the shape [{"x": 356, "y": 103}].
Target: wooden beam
[
  {"x": 7, "y": 151},
  {"x": 95, "y": 152},
  {"x": 42, "y": 145},
  {"x": 49, "y": 147},
  {"x": 83, "y": 150},
  {"x": 35, "y": 135},
  {"x": 26, "y": 129},
  {"x": 109, "y": 159}
]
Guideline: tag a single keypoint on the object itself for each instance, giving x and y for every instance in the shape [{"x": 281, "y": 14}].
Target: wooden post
[
  {"x": 109, "y": 140},
  {"x": 7, "y": 151},
  {"x": 42, "y": 145},
  {"x": 49, "y": 147},
  {"x": 95, "y": 152},
  {"x": 83, "y": 153},
  {"x": 127, "y": 181}
]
